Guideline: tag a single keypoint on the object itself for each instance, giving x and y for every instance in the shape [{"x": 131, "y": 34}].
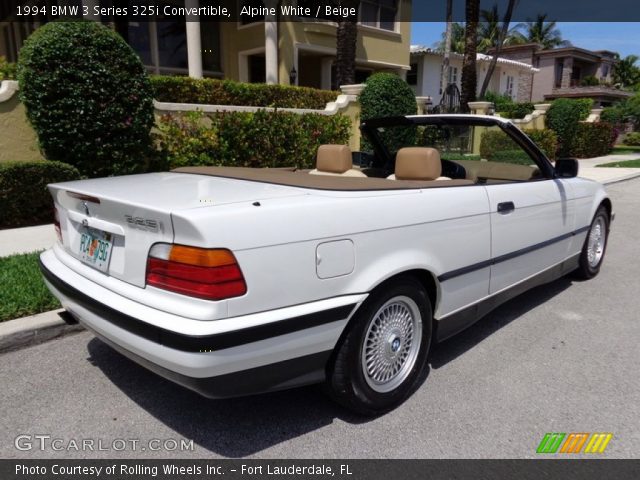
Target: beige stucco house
[
  {"x": 562, "y": 72},
  {"x": 264, "y": 50}
]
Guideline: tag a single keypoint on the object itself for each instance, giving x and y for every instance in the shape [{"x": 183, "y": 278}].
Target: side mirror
[{"x": 566, "y": 167}]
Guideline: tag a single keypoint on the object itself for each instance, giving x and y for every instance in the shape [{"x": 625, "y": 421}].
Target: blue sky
[{"x": 618, "y": 37}]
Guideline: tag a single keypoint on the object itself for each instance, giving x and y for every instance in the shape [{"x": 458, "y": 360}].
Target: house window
[
  {"x": 412, "y": 75},
  {"x": 559, "y": 72},
  {"x": 605, "y": 71},
  {"x": 379, "y": 13},
  {"x": 162, "y": 45},
  {"x": 453, "y": 77},
  {"x": 510, "y": 83}
]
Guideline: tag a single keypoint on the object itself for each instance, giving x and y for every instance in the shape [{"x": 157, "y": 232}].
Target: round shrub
[
  {"x": 387, "y": 95},
  {"x": 88, "y": 97}
]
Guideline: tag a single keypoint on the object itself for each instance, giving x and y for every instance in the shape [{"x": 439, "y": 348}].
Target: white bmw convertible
[{"x": 234, "y": 281}]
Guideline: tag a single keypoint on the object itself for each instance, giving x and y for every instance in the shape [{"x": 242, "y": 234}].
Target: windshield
[{"x": 454, "y": 142}]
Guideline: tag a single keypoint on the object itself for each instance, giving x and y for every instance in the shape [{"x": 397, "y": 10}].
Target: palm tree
[
  {"x": 540, "y": 31},
  {"x": 502, "y": 33},
  {"x": 491, "y": 28},
  {"x": 457, "y": 39},
  {"x": 469, "y": 79},
  {"x": 626, "y": 72},
  {"x": 444, "y": 75},
  {"x": 346, "y": 38},
  {"x": 488, "y": 31}
]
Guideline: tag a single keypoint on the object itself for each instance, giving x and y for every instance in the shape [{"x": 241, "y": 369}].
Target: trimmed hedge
[
  {"x": 563, "y": 117},
  {"x": 387, "y": 95},
  {"x": 261, "y": 139},
  {"x": 24, "y": 198},
  {"x": 547, "y": 141},
  {"x": 228, "y": 92},
  {"x": 517, "y": 110},
  {"x": 7, "y": 70},
  {"x": 592, "y": 140},
  {"x": 88, "y": 97},
  {"x": 494, "y": 144},
  {"x": 516, "y": 157},
  {"x": 507, "y": 108}
]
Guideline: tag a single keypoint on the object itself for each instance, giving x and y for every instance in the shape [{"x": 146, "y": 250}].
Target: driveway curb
[
  {"x": 622, "y": 179},
  {"x": 28, "y": 331}
]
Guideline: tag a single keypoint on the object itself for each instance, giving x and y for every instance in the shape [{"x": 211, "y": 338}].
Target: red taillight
[
  {"x": 213, "y": 274},
  {"x": 56, "y": 224}
]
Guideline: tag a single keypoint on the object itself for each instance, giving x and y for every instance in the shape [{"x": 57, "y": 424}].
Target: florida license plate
[{"x": 95, "y": 248}]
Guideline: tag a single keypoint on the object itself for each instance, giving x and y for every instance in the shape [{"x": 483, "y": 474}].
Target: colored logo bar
[{"x": 573, "y": 442}]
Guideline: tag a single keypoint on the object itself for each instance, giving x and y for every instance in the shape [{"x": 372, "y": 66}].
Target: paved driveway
[{"x": 561, "y": 358}]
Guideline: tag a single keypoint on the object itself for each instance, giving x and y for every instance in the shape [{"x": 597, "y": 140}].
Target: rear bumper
[{"x": 290, "y": 351}]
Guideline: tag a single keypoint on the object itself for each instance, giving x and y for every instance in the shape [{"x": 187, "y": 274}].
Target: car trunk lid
[{"x": 127, "y": 215}]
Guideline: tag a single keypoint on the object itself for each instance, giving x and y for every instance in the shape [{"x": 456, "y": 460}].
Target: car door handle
[{"x": 506, "y": 207}]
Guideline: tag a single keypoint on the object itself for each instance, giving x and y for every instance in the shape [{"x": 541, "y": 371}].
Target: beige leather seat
[
  {"x": 418, "y": 163},
  {"x": 335, "y": 160}
]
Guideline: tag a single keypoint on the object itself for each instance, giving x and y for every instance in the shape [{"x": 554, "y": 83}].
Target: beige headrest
[
  {"x": 334, "y": 158},
  {"x": 418, "y": 163}
]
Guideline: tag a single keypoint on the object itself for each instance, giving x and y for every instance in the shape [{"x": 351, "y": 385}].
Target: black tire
[
  {"x": 587, "y": 268},
  {"x": 348, "y": 384}
]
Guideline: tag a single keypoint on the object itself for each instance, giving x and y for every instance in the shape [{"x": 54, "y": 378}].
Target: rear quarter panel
[{"x": 275, "y": 243}]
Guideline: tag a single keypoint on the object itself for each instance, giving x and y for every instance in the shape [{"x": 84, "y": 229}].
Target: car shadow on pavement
[
  {"x": 244, "y": 426},
  {"x": 235, "y": 427},
  {"x": 452, "y": 348}
]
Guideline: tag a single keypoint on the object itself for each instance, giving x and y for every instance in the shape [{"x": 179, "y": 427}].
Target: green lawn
[
  {"x": 622, "y": 164},
  {"x": 22, "y": 291},
  {"x": 623, "y": 149}
]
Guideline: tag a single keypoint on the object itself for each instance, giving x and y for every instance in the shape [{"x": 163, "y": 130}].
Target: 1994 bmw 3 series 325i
[{"x": 234, "y": 281}]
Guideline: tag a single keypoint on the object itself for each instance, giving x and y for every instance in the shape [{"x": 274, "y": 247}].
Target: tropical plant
[
  {"x": 500, "y": 32},
  {"x": 626, "y": 72},
  {"x": 488, "y": 29},
  {"x": 346, "y": 38},
  {"x": 444, "y": 75},
  {"x": 589, "y": 81},
  {"x": 457, "y": 39},
  {"x": 631, "y": 109},
  {"x": 469, "y": 79},
  {"x": 540, "y": 31},
  {"x": 491, "y": 26}
]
